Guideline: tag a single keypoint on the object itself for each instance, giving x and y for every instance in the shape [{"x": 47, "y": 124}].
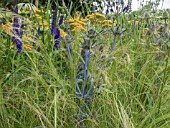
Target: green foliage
[{"x": 37, "y": 88}]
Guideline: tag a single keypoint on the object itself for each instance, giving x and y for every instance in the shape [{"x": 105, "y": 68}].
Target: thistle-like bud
[
  {"x": 160, "y": 41},
  {"x": 147, "y": 15},
  {"x": 165, "y": 14}
]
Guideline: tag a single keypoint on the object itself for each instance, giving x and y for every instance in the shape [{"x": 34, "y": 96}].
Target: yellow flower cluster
[
  {"x": 63, "y": 33},
  {"x": 39, "y": 17},
  {"x": 26, "y": 46},
  {"x": 78, "y": 24},
  {"x": 6, "y": 27},
  {"x": 100, "y": 19},
  {"x": 96, "y": 16},
  {"x": 107, "y": 23}
]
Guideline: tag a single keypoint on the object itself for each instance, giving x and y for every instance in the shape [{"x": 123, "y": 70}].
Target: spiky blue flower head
[
  {"x": 53, "y": 29},
  {"x": 18, "y": 45},
  {"x": 117, "y": 7},
  {"x": 125, "y": 9},
  {"x": 16, "y": 22},
  {"x": 107, "y": 11},
  {"x": 61, "y": 20},
  {"x": 109, "y": 3},
  {"x": 57, "y": 38},
  {"x": 18, "y": 32},
  {"x": 21, "y": 31},
  {"x": 122, "y": 2}
]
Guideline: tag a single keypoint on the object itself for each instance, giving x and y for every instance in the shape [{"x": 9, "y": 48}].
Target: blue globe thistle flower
[
  {"x": 122, "y": 2},
  {"x": 125, "y": 9},
  {"x": 114, "y": 43}
]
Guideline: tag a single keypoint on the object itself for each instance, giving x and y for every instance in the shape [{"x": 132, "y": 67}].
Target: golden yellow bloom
[
  {"x": 45, "y": 24},
  {"x": 81, "y": 22},
  {"x": 90, "y": 16},
  {"x": 37, "y": 10},
  {"x": 78, "y": 28},
  {"x": 12, "y": 46},
  {"x": 63, "y": 33},
  {"x": 75, "y": 24},
  {"x": 96, "y": 16},
  {"x": 38, "y": 16},
  {"x": 100, "y": 15},
  {"x": 71, "y": 20},
  {"x": 6, "y": 27},
  {"x": 28, "y": 46},
  {"x": 27, "y": 38},
  {"x": 107, "y": 21},
  {"x": 29, "y": 29}
]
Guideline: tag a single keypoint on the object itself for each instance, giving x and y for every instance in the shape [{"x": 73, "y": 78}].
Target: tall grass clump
[{"x": 98, "y": 70}]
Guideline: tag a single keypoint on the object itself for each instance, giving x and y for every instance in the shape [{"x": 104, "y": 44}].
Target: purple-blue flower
[
  {"x": 53, "y": 29},
  {"x": 61, "y": 20},
  {"x": 57, "y": 38},
  {"x": 18, "y": 45},
  {"x": 21, "y": 31},
  {"x": 18, "y": 32}
]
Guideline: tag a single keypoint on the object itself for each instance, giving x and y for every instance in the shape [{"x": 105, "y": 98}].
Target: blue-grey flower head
[
  {"x": 122, "y": 2},
  {"x": 125, "y": 9}
]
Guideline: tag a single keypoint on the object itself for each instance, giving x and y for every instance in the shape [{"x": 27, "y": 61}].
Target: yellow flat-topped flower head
[
  {"x": 71, "y": 20},
  {"x": 37, "y": 10},
  {"x": 12, "y": 46},
  {"x": 63, "y": 33},
  {"x": 28, "y": 46},
  {"x": 79, "y": 28},
  {"x": 107, "y": 21},
  {"x": 99, "y": 15},
  {"x": 6, "y": 27},
  {"x": 45, "y": 23}
]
